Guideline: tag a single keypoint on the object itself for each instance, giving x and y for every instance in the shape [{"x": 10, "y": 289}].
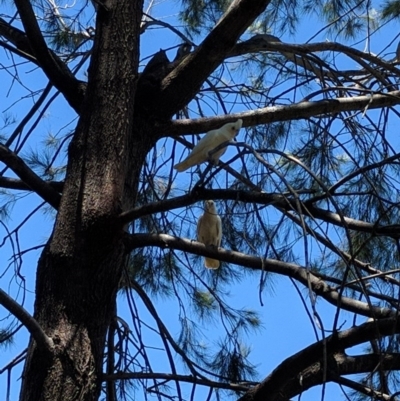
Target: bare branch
[
  {"x": 28, "y": 321},
  {"x": 18, "y": 359},
  {"x": 363, "y": 389},
  {"x": 183, "y": 378},
  {"x": 16, "y": 51},
  {"x": 163, "y": 329},
  {"x": 38, "y": 103},
  {"x": 32, "y": 180},
  {"x": 386, "y": 276}
]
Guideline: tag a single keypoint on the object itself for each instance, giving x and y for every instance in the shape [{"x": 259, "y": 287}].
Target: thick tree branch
[
  {"x": 198, "y": 195},
  {"x": 327, "y": 216},
  {"x": 280, "y": 201},
  {"x": 32, "y": 180},
  {"x": 297, "y": 111},
  {"x": 56, "y": 70},
  {"x": 197, "y": 66},
  {"x": 27, "y": 320},
  {"x": 18, "y": 39},
  {"x": 352, "y": 364},
  {"x": 13, "y": 183},
  {"x": 278, "y": 385},
  {"x": 297, "y": 272},
  {"x": 338, "y": 364},
  {"x": 294, "y": 52}
]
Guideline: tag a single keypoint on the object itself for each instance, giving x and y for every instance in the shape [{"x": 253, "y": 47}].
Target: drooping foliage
[{"x": 308, "y": 195}]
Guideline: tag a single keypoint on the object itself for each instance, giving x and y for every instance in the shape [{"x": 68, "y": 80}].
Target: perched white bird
[
  {"x": 210, "y": 141},
  {"x": 209, "y": 231}
]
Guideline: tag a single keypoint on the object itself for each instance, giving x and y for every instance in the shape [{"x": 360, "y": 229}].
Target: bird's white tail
[{"x": 211, "y": 263}]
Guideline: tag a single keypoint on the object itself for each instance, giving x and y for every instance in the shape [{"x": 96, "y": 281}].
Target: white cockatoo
[
  {"x": 209, "y": 231},
  {"x": 210, "y": 141}
]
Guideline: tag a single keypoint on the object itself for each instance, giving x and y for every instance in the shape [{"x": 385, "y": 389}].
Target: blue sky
[{"x": 286, "y": 327}]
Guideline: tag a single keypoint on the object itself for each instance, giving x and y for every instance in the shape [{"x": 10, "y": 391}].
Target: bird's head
[
  {"x": 209, "y": 206},
  {"x": 234, "y": 128}
]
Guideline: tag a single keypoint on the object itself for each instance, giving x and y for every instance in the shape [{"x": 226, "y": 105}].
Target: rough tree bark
[{"x": 79, "y": 269}]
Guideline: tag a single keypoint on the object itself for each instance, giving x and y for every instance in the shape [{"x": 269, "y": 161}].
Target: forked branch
[{"x": 286, "y": 380}]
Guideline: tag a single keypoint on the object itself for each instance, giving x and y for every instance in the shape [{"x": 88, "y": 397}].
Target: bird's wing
[
  {"x": 207, "y": 229},
  {"x": 220, "y": 137},
  {"x": 219, "y": 231},
  {"x": 209, "y": 232},
  {"x": 200, "y": 228},
  {"x": 207, "y": 143},
  {"x": 210, "y": 141},
  {"x": 195, "y": 157},
  {"x": 199, "y": 154},
  {"x": 213, "y": 237}
]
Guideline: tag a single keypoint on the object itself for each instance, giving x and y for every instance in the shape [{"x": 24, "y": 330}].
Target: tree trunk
[{"x": 80, "y": 267}]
